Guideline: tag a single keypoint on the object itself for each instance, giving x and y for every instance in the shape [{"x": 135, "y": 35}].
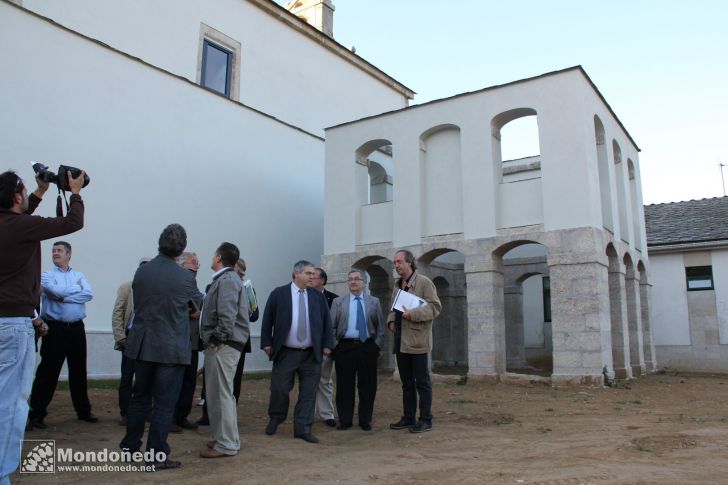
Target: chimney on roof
[{"x": 319, "y": 13}]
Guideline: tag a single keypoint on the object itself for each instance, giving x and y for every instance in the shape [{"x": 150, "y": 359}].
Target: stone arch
[
  {"x": 524, "y": 308},
  {"x": 621, "y": 366},
  {"x": 374, "y": 171},
  {"x": 605, "y": 190},
  {"x": 619, "y": 177},
  {"x": 634, "y": 317},
  {"x": 380, "y": 285},
  {"x": 634, "y": 203},
  {"x": 446, "y": 268},
  {"x": 441, "y": 181},
  {"x": 648, "y": 345}
]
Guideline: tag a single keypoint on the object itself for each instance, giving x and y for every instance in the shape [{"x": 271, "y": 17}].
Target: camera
[{"x": 60, "y": 179}]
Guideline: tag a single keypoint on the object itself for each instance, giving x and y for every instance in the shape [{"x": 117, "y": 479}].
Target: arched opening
[
  {"x": 618, "y": 316},
  {"x": 517, "y": 159},
  {"x": 442, "y": 186},
  {"x": 374, "y": 179},
  {"x": 647, "y": 342},
  {"x": 605, "y": 190},
  {"x": 634, "y": 317},
  {"x": 621, "y": 192},
  {"x": 634, "y": 203},
  {"x": 380, "y": 271},
  {"x": 527, "y": 309},
  {"x": 446, "y": 269}
]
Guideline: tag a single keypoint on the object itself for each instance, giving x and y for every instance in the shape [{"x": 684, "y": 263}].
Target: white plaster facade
[
  {"x": 580, "y": 199},
  {"x": 161, "y": 149}
]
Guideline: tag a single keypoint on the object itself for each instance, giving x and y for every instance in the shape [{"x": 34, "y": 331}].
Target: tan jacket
[
  {"x": 123, "y": 308},
  {"x": 417, "y": 330}
]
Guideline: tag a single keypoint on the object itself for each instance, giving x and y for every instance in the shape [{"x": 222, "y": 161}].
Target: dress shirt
[
  {"x": 292, "y": 339},
  {"x": 351, "y": 330},
  {"x": 72, "y": 287}
]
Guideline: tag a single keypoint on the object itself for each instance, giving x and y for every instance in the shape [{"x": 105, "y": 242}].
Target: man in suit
[
  {"x": 159, "y": 343},
  {"x": 120, "y": 319},
  {"x": 325, "y": 390},
  {"x": 296, "y": 334},
  {"x": 224, "y": 329},
  {"x": 413, "y": 342},
  {"x": 191, "y": 263},
  {"x": 358, "y": 325}
]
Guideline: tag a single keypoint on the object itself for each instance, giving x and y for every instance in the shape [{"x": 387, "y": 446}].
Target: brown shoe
[{"x": 213, "y": 454}]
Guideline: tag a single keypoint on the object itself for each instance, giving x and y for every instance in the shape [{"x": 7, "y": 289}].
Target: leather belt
[{"x": 297, "y": 349}]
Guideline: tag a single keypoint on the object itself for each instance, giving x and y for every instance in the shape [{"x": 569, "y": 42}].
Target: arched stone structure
[{"x": 618, "y": 315}]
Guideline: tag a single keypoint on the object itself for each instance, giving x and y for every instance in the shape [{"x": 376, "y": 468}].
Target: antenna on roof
[{"x": 721, "y": 165}]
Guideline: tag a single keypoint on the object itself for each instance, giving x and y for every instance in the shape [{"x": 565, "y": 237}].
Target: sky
[{"x": 662, "y": 65}]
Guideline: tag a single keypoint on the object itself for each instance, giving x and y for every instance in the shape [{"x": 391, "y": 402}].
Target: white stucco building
[
  {"x": 688, "y": 246},
  {"x": 116, "y": 88},
  {"x": 481, "y": 225}
]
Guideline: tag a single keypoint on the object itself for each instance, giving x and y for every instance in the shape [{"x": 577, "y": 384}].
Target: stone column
[
  {"x": 579, "y": 317},
  {"x": 515, "y": 351},
  {"x": 647, "y": 341},
  {"x": 486, "y": 320},
  {"x": 634, "y": 323},
  {"x": 618, "y": 312}
]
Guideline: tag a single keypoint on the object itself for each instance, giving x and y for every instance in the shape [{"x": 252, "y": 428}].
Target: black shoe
[
  {"x": 203, "y": 421},
  {"x": 343, "y": 427},
  {"x": 272, "y": 427},
  {"x": 365, "y": 426},
  {"x": 37, "y": 423},
  {"x": 330, "y": 422},
  {"x": 307, "y": 437},
  {"x": 186, "y": 424},
  {"x": 401, "y": 424},
  {"x": 164, "y": 465},
  {"x": 175, "y": 428},
  {"x": 421, "y": 427},
  {"x": 89, "y": 418}
]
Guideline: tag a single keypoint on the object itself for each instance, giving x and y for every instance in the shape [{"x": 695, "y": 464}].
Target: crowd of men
[{"x": 161, "y": 321}]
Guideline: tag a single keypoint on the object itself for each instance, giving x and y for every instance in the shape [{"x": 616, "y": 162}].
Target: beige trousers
[{"x": 219, "y": 372}]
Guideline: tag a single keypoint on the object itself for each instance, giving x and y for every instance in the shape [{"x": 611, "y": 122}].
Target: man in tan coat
[
  {"x": 413, "y": 342},
  {"x": 123, "y": 310}
]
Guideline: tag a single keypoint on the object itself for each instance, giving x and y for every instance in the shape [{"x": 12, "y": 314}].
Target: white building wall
[
  {"x": 720, "y": 281},
  {"x": 670, "y": 322},
  {"x": 283, "y": 72},
  {"x": 159, "y": 150}
]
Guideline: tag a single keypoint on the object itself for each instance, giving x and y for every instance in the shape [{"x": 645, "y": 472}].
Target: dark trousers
[
  {"x": 127, "y": 378},
  {"x": 415, "y": 376},
  {"x": 237, "y": 382},
  {"x": 187, "y": 392},
  {"x": 158, "y": 382},
  {"x": 288, "y": 363},
  {"x": 356, "y": 366},
  {"x": 64, "y": 342}
]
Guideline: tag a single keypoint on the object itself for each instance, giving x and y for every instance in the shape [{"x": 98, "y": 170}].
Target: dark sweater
[{"x": 20, "y": 237}]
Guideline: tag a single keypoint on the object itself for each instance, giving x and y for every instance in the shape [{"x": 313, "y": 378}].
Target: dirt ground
[{"x": 663, "y": 428}]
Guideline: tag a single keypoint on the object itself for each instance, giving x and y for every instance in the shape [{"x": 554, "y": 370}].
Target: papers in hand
[{"x": 407, "y": 300}]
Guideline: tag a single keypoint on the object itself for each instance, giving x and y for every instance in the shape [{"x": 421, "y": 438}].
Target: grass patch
[
  {"x": 461, "y": 401},
  {"x": 645, "y": 448},
  {"x": 92, "y": 384},
  {"x": 549, "y": 410},
  {"x": 545, "y": 430}
]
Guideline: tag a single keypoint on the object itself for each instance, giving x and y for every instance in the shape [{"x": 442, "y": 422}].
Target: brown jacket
[{"x": 417, "y": 330}]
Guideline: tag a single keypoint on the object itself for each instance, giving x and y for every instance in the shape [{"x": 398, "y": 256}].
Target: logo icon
[{"x": 41, "y": 458}]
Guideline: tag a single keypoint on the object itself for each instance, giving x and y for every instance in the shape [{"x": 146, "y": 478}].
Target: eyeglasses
[{"x": 355, "y": 279}]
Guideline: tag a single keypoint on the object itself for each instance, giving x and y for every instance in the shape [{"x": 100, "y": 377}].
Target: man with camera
[{"x": 20, "y": 288}]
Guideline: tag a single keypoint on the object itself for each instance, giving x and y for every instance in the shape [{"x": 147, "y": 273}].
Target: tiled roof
[{"x": 693, "y": 221}]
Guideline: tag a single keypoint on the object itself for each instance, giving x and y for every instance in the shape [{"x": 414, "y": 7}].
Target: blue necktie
[{"x": 361, "y": 324}]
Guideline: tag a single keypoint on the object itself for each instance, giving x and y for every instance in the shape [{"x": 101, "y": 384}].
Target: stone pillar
[
  {"x": 618, "y": 313},
  {"x": 634, "y": 323},
  {"x": 515, "y": 350},
  {"x": 486, "y": 320},
  {"x": 579, "y": 317},
  {"x": 647, "y": 342}
]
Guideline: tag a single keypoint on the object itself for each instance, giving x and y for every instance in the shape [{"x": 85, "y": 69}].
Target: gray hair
[
  {"x": 362, "y": 273},
  {"x": 300, "y": 266},
  {"x": 408, "y": 257},
  {"x": 182, "y": 258}
]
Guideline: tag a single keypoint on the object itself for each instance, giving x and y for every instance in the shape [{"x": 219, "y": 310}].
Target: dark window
[
  {"x": 699, "y": 278},
  {"x": 546, "y": 299},
  {"x": 216, "y": 68}
]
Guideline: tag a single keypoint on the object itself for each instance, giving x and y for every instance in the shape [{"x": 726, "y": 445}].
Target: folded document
[{"x": 408, "y": 301}]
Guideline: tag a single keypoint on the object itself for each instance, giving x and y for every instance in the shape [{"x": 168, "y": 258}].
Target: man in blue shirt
[{"x": 63, "y": 308}]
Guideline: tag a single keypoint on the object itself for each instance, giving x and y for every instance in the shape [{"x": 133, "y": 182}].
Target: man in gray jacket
[{"x": 224, "y": 330}]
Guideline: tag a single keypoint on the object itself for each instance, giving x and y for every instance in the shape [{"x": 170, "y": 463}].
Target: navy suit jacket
[{"x": 277, "y": 321}]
